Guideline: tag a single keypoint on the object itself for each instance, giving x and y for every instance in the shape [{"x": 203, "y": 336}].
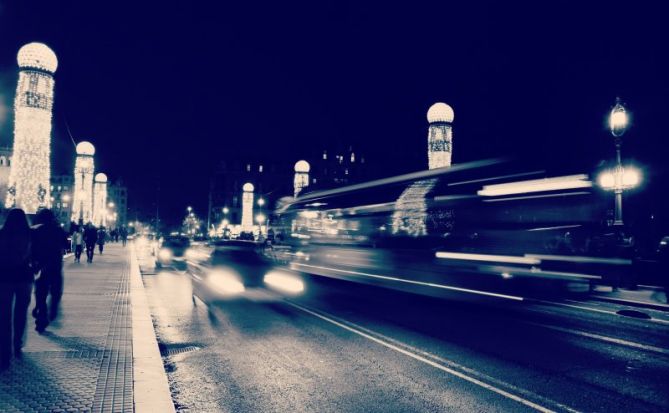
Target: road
[{"x": 343, "y": 347}]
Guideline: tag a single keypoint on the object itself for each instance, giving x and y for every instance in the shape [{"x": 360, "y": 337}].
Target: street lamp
[
  {"x": 618, "y": 123},
  {"x": 261, "y": 202},
  {"x": 225, "y": 210},
  {"x": 111, "y": 205}
]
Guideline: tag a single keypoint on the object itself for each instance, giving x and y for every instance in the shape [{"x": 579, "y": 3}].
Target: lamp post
[{"x": 618, "y": 123}]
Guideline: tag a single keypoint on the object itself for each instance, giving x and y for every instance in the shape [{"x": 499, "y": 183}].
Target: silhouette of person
[
  {"x": 102, "y": 237},
  {"x": 90, "y": 238},
  {"x": 16, "y": 282},
  {"x": 49, "y": 243}
]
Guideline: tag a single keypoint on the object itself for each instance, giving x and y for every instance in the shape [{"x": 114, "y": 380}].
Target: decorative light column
[
  {"x": 100, "y": 200},
  {"x": 247, "y": 207},
  {"x": 30, "y": 174},
  {"x": 440, "y": 135},
  {"x": 301, "y": 180},
  {"x": 84, "y": 166}
]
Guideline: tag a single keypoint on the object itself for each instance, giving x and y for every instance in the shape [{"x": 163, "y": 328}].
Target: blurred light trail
[
  {"x": 553, "y": 228},
  {"x": 225, "y": 282},
  {"x": 535, "y": 272},
  {"x": 421, "y": 283},
  {"x": 284, "y": 282},
  {"x": 580, "y": 259},
  {"x": 511, "y": 259},
  {"x": 517, "y": 198},
  {"x": 473, "y": 181},
  {"x": 537, "y": 185}
]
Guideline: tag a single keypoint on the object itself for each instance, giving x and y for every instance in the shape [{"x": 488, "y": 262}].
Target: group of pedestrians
[
  {"x": 88, "y": 236},
  {"x": 30, "y": 255}
]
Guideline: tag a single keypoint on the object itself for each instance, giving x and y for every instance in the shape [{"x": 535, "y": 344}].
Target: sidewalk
[{"x": 87, "y": 361}]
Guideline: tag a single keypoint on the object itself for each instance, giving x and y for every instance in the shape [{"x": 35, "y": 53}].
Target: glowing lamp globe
[
  {"x": 302, "y": 167},
  {"x": 440, "y": 113},
  {"x": 618, "y": 120},
  {"x": 101, "y": 178},
  {"x": 37, "y": 56},
  {"x": 631, "y": 177},
  {"x": 85, "y": 148},
  {"x": 606, "y": 180},
  {"x": 248, "y": 187}
]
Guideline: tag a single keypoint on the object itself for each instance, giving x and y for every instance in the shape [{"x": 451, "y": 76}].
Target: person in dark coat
[
  {"x": 90, "y": 239},
  {"x": 16, "y": 283},
  {"x": 102, "y": 237},
  {"x": 49, "y": 243}
]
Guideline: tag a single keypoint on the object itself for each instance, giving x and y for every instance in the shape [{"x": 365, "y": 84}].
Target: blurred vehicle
[
  {"x": 483, "y": 229},
  {"x": 171, "y": 252},
  {"x": 232, "y": 267}
]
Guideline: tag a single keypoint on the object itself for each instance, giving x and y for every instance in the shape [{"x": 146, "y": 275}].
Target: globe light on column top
[
  {"x": 85, "y": 148},
  {"x": 248, "y": 187},
  {"x": 618, "y": 120},
  {"x": 37, "y": 56},
  {"x": 302, "y": 167},
  {"x": 440, "y": 112},
  {"x": 101, "y": 178}
]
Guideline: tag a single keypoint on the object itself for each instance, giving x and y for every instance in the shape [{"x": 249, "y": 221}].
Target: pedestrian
[
  {"x": 49, "y": 242},
  {"x": 16, "y": 283},
  {"x": 90, "y": 239},
  {"x": 78, "y": 244},
  {"x": 124, "y": 235},
  {"x": 102, "y": 237}
]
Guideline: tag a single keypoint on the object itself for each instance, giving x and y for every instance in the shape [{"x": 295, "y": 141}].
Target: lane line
[
  {"x": 607, "y": 339},
  {"x": 596, "y": 310},
  {"x": 421, "y": 283},
  {"x": 425, "y": 360}
]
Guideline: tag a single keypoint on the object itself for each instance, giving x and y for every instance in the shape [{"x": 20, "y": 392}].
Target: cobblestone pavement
[{"x": 83, "y": 363}]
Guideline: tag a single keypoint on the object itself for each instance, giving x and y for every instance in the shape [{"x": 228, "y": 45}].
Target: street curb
[
  {"x": 150, "y": 387},
  {"x": 638, "y": 304}
]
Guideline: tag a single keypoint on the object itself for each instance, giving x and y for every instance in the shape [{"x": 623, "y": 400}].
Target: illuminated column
[
  {"x": 301, "y": 180},
  {"x": 84, "y": 166},
  {"x": 30, "y": 174},
  {"x": 247, "y": 207},
  {"x": 100, "y": 200},
  {"x": 440, "y": 135}
]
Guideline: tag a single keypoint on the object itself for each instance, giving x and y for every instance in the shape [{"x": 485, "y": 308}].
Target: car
[
  {"x": 172, "y": 251},
  {"x": 231, "y": 267}
]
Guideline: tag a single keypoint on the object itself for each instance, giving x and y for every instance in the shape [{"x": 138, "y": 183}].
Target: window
[
  {"x": 325, "y": 155},
  {"x": 352, "y": 157},
  {"x": 64, "y": 204},
  {"x": 248, "y": 167},
  {"x": 260, "y": 169}
]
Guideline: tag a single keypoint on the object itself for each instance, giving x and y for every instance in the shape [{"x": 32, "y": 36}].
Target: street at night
[{"x": 333, "y": 206}]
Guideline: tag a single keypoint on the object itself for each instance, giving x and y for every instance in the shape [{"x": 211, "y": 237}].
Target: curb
[
  {"x": 150, "y": 387},
  {"x": 632, "y": 303}
]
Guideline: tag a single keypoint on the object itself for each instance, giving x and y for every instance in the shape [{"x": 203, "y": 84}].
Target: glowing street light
[
  {"x": 261, "y": 202},
  {"x": 226, "y": 210},
  {"x": 618, "y": 123}
]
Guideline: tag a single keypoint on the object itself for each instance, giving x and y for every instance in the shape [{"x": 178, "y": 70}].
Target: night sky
[{"x": 165, "y": 91}]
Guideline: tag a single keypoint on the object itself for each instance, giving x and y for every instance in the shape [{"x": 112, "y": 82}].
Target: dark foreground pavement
[
  {"x": 345, "y": 347},
  {"x": 88, "y": 359}
]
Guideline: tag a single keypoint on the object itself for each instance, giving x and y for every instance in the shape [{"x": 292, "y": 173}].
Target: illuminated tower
[
  {"x": 301, "y": 180},
  {"x": 84, "y": 166},
  {"x": 247, "y": 207},
  {"x": 29, "y": 185},
  {"x": 100, "y": 200},
  {"x": 440, "y": 136}
]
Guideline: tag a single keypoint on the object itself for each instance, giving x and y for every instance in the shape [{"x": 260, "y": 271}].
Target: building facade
[
  {"x": 62, "y": 187},
  {"x": 117, "y": 204}
]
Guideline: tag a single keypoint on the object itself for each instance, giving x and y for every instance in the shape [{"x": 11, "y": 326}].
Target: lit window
[
  {"x": 325, "y": 155},
  {"x": 248, "y": 167},
  {"x": 352, "y": 157},
  {"x": 346, "y": 171},
  {"x": 260, "y": 169},
  {"x": 64, "y": 204}
]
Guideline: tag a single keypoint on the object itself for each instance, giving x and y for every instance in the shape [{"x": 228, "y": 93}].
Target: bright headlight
[{"x": 165, "y": 254}]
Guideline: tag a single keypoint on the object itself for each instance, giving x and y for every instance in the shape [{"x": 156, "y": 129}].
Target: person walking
[
  {"x": 16, "y": 282},
  {"x": 124, "y": 235},
  {"x": 49, "y": 243},
  {"x": 78, "y": 244},
  {"x": 90, "y": 239},
  {"x": 102, "y": 238}
]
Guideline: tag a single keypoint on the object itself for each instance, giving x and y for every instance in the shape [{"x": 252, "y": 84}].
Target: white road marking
[
  {"x": 596, "y": 310},
  {"x": 425, "y": 284},
  {"x": 607, "y": 339},
  {"x": 357, "y": 330}
]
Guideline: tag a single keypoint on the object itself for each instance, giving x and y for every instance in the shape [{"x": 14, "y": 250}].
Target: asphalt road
[{"x": 343, "y": 347}]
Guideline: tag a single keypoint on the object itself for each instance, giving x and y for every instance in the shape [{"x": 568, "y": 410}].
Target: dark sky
[{"x": 165, "y": 90}]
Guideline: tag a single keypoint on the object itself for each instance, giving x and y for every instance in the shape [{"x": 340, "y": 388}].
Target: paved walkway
[{"x": 84, "y": 361}]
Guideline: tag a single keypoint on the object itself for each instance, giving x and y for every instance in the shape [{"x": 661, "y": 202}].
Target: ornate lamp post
[{"x": 618, "y": 122}]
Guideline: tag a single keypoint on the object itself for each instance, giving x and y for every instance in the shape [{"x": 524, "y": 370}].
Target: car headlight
[
  {"x": 165, "y": 254},
  {"x": 225, "y": 282}
]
